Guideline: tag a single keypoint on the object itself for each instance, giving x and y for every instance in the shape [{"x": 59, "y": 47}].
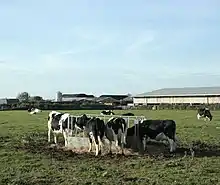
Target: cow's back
[{"x": 152, "y": 128}]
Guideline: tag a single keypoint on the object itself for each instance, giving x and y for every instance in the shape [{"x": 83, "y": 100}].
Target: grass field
[{"x": 33, "y": 162}]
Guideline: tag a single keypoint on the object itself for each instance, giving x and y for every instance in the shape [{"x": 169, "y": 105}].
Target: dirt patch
[{"x": 36, "y": 143}]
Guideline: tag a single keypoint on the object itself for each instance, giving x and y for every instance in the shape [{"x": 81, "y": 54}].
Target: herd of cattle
[{"x": 115, "y": 129}]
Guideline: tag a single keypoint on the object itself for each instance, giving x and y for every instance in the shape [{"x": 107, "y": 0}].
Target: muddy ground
[{"x": 37, "y": 143}]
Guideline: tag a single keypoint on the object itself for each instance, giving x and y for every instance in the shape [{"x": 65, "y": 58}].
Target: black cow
[
  {"x": 58, "y": 124},
  {"x": 156, "y": 130},
  {"x": 128, "y": 114},
  {"x": 107, "y": 112},
  {"x": 116, "y": 129},
  {"x": 204, "y": 113}
]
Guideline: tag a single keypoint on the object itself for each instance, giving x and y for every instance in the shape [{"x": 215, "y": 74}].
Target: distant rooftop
[
  {"x": 8, "y": 101},
  {"x": 117, "y": 97},
  {"x": 77, "y": 96},
  {"x": 186, "y": 91}
]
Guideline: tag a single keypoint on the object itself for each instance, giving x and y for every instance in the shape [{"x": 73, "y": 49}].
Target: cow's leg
[
  {"x": 90, "y": 144},
  {"x": 144, "y": 142},
  {"x": 55, "y": 138},
  {"x": 198, "y": 116},
  {"x": 162, "y": 137},
  {"x": 110, "y": 147},
  {"x": 48, "y": 133},
  {"x": 172, "y": 144},
  {"x": 96, "y": 146},
  {"x": 65, "y": 137},
  {"x": 100, "y": 144},
  {"x": 122, "y": 143},
  {"x": 207, "y": 118},
  {"x": 95, "y": 140}
]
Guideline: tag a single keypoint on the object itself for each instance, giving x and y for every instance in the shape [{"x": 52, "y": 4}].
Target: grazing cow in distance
[
  {"x": 157, "y": 130},
  {"x": 128, "y": 114},
  {"x": 34, "y": 110},
  {"x": 204, "y": 113},
  {"x": 58, "y": 124},
  {"x": 107, "y": 112},
  {"x": 116, "y": 129}
]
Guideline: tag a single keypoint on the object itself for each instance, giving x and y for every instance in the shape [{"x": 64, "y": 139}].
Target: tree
[
  {"x": 36, "y": 98},
  {"x": 23, "y": 97}
]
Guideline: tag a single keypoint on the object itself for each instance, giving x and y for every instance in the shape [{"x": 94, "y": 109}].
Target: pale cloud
[
  {"x": 87, "y": 33},
  {"x": 142, "y": 41},
  {"x": 6, "y": 67}
]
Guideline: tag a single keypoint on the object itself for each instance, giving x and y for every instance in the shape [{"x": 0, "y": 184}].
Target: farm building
[
  {"x": 73, "y": 97},
  {"x": 8, "y": 102},
  {"x": 116, "y": 97},
  {"x": 188, "y": 95},
  {"x": 108, "y": 101}
]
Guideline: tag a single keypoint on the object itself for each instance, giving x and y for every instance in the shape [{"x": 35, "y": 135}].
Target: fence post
[{"x": 138, "y": 144}]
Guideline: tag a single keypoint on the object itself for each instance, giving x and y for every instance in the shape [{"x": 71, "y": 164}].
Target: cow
[
  {"x": 128, "y": 114},
  {"x": 157, "y": 130},
  {"x": 58, "y": 124},
  {"x": 94, "y": 129},
  {"x": 108, "y": 112},
  {"x": 34, "y": 110},
  {"x": 115, "y": 131},
  {"x": 204, "y": 113}
]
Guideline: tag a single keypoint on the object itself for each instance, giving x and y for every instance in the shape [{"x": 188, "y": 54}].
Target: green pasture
[{"x": 25, "y": 156}]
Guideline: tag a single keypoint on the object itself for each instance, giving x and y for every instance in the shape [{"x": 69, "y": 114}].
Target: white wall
[
  {"x": 139, "y": 101},
  {"x": 178, "y": 100}
]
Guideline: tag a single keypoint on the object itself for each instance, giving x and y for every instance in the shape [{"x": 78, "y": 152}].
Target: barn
[
  {"x": 186, "y": 95},
  {"x": 60, "y": 97}
]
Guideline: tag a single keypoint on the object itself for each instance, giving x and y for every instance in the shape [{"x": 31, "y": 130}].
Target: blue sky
[{"x": 107, "y": 46}]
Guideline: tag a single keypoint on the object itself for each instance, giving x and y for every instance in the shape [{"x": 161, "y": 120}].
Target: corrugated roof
[{"x": 186, "y": 91}]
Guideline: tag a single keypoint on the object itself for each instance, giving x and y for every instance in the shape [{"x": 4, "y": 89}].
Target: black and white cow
[
  {"x": 107, "y": 112},
  {"x": 58, "y": 124},
  {"x": 95, "y": 131},
  {"x": 204, "y": 113},
  {"x": 157, "y": 130},
  {"x": 34, "y": 110},
  {"x": 115, "y": 131},
  {"x": 128, "y": 114}
]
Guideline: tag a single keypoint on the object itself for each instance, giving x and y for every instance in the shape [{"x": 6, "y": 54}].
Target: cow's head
[{"x": 81, "y": 121}]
